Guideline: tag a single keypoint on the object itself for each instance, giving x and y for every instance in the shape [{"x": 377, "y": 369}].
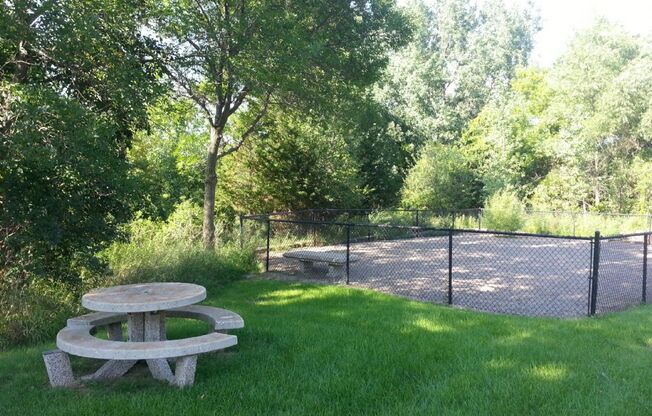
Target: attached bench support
[
  {"x": 185, "y": 371},
  {"x": 114, "y": 331},
  {"x": 335, "y": 271},
  {"x": 111, "y": 369},
  {"x": 160, "y": 369},
  {"x": 305, "y": 266},
  {"x": 57, "y": 364}
]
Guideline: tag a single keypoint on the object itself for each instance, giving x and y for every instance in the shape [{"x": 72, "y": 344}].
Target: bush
[
  {"x": 34, "y": 309},
  {"x": 172, "y": 250},
  {"x": 504, "y": 212},
  {"x": 392, "y": 217},
  {"x": 441, "y": 179}
]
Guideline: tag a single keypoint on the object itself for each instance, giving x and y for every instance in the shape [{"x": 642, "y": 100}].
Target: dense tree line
[{"x": 575, "y": 137}]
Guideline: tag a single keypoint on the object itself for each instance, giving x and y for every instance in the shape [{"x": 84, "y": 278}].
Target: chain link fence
[
  {"x": 503, "y": 272},
  {"x": 536, "y": 222}
]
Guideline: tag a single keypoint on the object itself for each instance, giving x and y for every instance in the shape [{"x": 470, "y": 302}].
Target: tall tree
[
  {"x": 576, "y": 136},
  {"x": 508, "y": 142},
  {"x": 463, "y": 55},
  {"x": 296, "y": 161},
  {"x": 74, "y": 82},
  {"x": 232, "y": 56}
]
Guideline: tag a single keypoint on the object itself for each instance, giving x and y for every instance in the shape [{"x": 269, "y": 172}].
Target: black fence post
[
  {"x": 450, "y": 267},
  {"x": 314, "y": 228},
  {"x": 416, "y": 218},
  {"x": 348, "y": 251},
  {"x": 269, "y": 231},
  {"x": 594, "y": 277},
  {"x": 241, "y": 232},
  {"x": 645, "y": 242}
]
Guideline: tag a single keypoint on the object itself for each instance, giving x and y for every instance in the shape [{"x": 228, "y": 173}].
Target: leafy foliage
[
  {"x": 441, "y": 179},
  {"x": 503, "y": 211},
  {"x": 576, "y": 137},
  {"x": 462, "y": 56},
  {"x": 295, "y": 162},
  {"x": 240, "y": 57},
  {"x": 167, "y": 159}
]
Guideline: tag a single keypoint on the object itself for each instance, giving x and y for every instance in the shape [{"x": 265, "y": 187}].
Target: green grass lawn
[{"x": 331, "y": 350}]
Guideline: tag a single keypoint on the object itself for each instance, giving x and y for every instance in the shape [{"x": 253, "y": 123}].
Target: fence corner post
[
  {"x": 348, "y": 251},
  {"x": 595, "y": 274},
  {"x": 450, "y": 266},
  {"x": 313, "y": 227},
  {"x": 269, "y": 231},
  {"x": 646, "y": 238}
]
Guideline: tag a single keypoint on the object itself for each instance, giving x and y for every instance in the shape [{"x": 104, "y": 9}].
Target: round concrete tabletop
[{"x": 143, "y": 297}]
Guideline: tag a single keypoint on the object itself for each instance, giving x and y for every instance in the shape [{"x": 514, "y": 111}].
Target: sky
[{"x": 561, "y": 19}]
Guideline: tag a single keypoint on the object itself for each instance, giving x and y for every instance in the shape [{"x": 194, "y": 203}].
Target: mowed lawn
[{"x": 310, "y": 349}]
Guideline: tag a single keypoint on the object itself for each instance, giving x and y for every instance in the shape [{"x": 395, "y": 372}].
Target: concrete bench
[
  {"x": 336, "y": 261},
  {"x": 77, "y": 339}
]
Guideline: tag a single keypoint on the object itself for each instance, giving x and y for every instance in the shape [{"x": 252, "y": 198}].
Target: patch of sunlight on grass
[
  {"x": 648, "y": 342},
  {"x": 548, "y": 372},
  {"x": 430, "y": 325},
  {"x": 516, "y": 338},
  {"x": 499, "y": 363},
  {"x": 288, "y": 296}
]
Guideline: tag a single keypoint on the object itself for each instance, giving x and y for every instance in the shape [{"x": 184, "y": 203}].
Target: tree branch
[
  {"x": 239, "y": 99},
  {"x": 249, "y": 130},
  {"x": 186, "y": 85}
]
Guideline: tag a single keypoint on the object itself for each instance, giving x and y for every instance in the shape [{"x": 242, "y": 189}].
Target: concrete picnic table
[{"x": 144, "y": 307}]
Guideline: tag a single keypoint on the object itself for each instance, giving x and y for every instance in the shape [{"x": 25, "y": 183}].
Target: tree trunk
[
  {"x": 596, "y": 181},
  {"x": 210, "y": 186},
  {"x": 21, "y": 63}
]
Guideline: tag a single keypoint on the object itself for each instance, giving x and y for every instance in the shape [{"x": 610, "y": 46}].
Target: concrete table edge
[{"x": 103, "y": 299}]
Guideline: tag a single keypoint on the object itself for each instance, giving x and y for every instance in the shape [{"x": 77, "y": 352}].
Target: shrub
[
  {"x": 504, "y": 212},
  {"x": 441, "y": 179},
  {"x": 171, "y": 250},
  {"x": 392, "y": 217},
  {"x": 34, "y": 309}
]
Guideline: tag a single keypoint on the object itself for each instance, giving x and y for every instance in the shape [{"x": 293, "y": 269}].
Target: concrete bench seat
[
  {"x": 78, "y": 341},
  {"x": 96, "y": 319},
  {"x": 219, "y": 319},
  {"x": 336, "y": 260}
]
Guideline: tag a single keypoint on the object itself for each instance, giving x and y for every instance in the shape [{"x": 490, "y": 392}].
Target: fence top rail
[
  {"x": 452, "y": 211},
  {"x": 415, "y": 228},
  {"x": 617, "y": 236}
]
